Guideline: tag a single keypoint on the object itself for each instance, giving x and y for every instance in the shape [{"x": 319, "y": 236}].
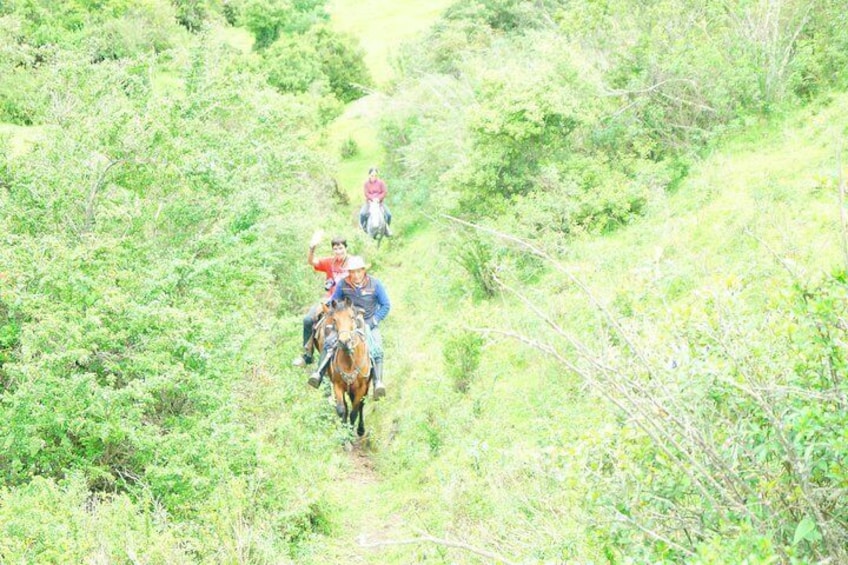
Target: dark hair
[
  {"x": 339, "y": 239},
  {"x": 373, "y": 170}
]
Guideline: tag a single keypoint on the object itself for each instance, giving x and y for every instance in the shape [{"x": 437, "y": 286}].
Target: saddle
[{"x": 319, "y": 328}]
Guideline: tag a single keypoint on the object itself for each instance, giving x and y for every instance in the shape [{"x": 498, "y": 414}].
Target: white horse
[{"x": 376, "y": 225}]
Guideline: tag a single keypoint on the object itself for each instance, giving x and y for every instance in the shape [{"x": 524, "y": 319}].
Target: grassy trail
[{"x": 368, "y": 514}]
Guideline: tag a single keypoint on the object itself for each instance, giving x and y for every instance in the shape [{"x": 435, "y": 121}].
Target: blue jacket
[{"x": 371, "y": 297}]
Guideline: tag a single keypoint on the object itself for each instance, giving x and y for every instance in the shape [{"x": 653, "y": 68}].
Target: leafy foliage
[
  {"x": 478, "y": 259},
  {"x": 269, "y": 20},
  {"x": 143, "y": 228},
  {"x": 319, "y": 57},
  {"x": 567, "y": 108}
]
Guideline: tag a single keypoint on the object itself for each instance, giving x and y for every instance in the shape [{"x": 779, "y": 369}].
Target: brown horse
[{"x": 350, "y": 366}]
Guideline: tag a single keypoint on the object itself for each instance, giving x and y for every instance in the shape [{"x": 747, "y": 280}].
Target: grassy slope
[
  {"x": 500, "y": 467},
  {"x": 382, "y": 26}
]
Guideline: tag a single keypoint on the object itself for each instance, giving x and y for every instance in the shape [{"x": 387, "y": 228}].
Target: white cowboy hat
[{"x": 355, "y": 262}]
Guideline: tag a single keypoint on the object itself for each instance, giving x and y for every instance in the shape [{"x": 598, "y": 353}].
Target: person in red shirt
[
  {"x": 375, "y": 189},
  {"x": 334, "y": 270}
]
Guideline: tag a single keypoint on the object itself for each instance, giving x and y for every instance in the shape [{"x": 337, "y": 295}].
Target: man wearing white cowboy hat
[{"x": 368, "y": 294}]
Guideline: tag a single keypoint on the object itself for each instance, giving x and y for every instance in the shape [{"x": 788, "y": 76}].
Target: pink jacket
[{"x": 375, "y": 190}]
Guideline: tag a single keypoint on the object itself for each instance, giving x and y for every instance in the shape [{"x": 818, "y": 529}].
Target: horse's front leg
[
  {"x": 359, "y": 408},
  {"x": 341, "y": 406},
  {"x": 360, "y": 411}
]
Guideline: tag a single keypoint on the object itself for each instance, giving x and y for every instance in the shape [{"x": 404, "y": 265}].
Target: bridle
[{"x": 349, "y": 340}]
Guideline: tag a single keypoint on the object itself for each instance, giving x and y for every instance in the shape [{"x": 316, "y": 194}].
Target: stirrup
[{"x": 315, "y": 379}]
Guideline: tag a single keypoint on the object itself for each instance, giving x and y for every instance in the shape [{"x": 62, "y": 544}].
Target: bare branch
[
  {"x": 774, "y": 254},
  {"x": 654, "y": 534},
  {"x": 92, "y": 195}
]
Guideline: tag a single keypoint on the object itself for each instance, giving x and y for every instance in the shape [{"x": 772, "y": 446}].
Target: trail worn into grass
[{"x": 366, "y": 523}]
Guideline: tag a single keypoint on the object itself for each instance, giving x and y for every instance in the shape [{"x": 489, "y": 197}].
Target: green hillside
[{"x": 618, "y": 281}]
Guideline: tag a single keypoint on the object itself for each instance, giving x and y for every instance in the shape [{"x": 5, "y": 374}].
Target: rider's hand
[{"x": 316, "y": 238}]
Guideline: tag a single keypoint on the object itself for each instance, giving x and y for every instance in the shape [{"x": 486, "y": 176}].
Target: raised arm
[{"x": 313, "y": 243}]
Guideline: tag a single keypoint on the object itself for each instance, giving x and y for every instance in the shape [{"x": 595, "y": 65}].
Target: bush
[
  {"x": 765, "y": 405},
  {"x": 477, "y": 258},
  {"x": 268, "y": 20},
  {"x": 349, "y": 148},
  {"x": 461, "y": 356},
  {"x": 191, "y": 14},
  {"x": 293, "y": 64},
  {"x": 342, "y": 63}
]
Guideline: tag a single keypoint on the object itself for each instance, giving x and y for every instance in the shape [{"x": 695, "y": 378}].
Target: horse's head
[{"x": 349, "y": 326}]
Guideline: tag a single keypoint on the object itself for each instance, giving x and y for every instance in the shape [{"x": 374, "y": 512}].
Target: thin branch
[
  {"x": 647, "y": 90},
  {"x": 636, "y": 396},
  {"x": 654, "y": 535},
  {"x": 652, "y": 427},
  {"x": 688, "y": 103},
  {"x": 92, "y": 195},
  {"x": 774, "y": 253}
]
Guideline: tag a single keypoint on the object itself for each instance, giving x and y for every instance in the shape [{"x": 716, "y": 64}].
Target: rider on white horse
[{"x": 375, "y": 189}]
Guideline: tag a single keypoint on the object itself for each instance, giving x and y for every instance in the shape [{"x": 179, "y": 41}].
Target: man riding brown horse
[
  {"x": 369, "y": 295},
  {"x": 350, "y": 366}
]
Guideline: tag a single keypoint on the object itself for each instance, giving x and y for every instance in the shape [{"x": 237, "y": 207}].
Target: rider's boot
[
  {"x": 306, "y": 357},
  {"x": 379, "y": 388},
  {"x": 318, "y": 376},
  {"x": 308, "y": 346}
]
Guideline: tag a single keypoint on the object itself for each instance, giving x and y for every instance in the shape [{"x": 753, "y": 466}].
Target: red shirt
[
  {"x": 375, "y": 190},
  {"x": 333, "y": 269}
]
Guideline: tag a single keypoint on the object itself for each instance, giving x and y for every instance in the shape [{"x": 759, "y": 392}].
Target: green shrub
[
  {"x": 269, "y": 20},
  {"x": 784, "y": 451},
  {"x": 461, "y": 356},
  {"x": 231, "y": 10},
  {"x": 342, "y": 62},
  {"x": 293, "y": 64},
  {"x": 349, "y": 148},
  {"x": 477, "y": 259},
  {"x": 191, "y": 14}
]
